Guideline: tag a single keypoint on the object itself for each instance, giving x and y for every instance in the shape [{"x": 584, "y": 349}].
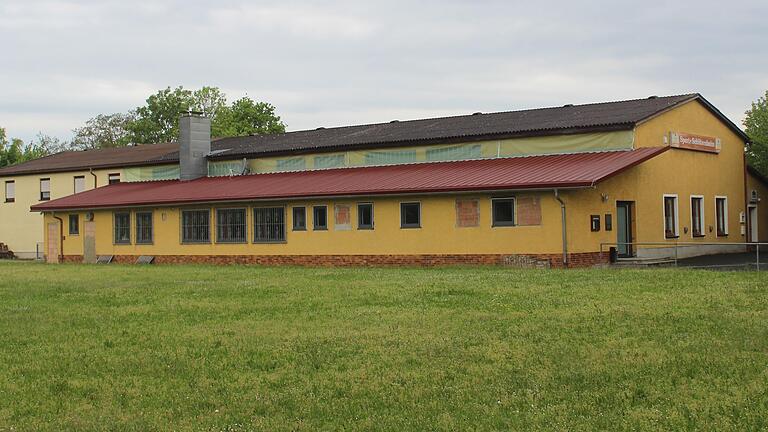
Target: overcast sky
[{"x": 338, "y": 63}]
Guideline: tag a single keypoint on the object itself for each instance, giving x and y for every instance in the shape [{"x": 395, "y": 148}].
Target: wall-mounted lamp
[{"x": 604, "y": 197}]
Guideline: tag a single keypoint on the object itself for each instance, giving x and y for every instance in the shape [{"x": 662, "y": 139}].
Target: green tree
[
  {"x": 103, "y": 131},
  {"x": 209, "y": 101},
  {"x": 246, "y": 117},
  {"x": 158, "y": 120},
  {"x": 756, "y": 126},
  {"x": 10, "y": 152}
]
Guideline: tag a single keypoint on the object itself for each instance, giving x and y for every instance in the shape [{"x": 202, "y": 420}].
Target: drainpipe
[
  {"x": 95, "y": 179},
  {"x": 565, "y": 234},
  {"x": 61, "y": 236}
]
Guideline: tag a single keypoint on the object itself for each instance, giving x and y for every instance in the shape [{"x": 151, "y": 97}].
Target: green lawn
[{"x": 250, "y": 348}]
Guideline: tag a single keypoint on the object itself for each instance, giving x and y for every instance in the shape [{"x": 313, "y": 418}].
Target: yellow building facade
[{"x": 691, "y": 198}]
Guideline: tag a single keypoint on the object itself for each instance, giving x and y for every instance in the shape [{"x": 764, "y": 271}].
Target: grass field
[{"x": 249, "y": 348}]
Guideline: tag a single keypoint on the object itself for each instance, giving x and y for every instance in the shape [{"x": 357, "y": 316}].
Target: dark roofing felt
[
  {"x": 103, "y": 158},
  {"x": 620, "y": 115},
  {"x": 519, "y": 173}
]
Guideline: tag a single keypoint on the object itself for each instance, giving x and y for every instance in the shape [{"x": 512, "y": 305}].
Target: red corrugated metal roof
[{"x": 551, "y": 171}]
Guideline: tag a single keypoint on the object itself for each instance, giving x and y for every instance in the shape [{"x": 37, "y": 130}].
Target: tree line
[{"x": 157, "y": 121}]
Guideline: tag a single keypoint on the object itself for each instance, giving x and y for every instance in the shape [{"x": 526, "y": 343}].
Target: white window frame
[
  {"x": 75, "y": 180},
  {"x": 113, "y": 176},
  {"x": 45, "y": 181},
  {"x": 702, "y": 213},
  {"x": 664, "y": 216},
  {"x": 494, "y": 224},
  {"x": 725, "y": 215},
  {"x": 10, "y": 185}
]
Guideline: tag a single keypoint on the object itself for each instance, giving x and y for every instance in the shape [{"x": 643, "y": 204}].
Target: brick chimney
[{"x": 194, "y": 145}]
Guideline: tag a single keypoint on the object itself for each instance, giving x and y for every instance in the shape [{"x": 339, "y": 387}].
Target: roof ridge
[{"x": 688, "y": 95}]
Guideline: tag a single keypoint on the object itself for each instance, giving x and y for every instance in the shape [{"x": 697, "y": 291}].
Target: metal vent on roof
[
  {"x": 477, "y": 113},
  {"x": 395, "y": 121},
  {"x": 652, "y": 97},
  {"x": 104, "y": 259},
  {"x": 145, "y": 259},
  {"x": 567, "y": 105},
  {"x": 320, "y": 128}
]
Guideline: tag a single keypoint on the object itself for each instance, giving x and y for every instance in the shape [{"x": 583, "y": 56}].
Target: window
[
  {"x": 45, "y": 189},
  {"x": 671, "y": 221},
  {"x": 320, "y": 217},
  {"x": 503, "y": 212},
  {"x": 291, "y": 164},
  {"x": 114, "y": 178},
  {"x": 74, "y": 224},
  {"x": 365, "y": 216},
  {"x": 330, "y": 161},
  {"x": 231, "y": 226},
  {"x": 268, "y": 225},
  {"x": 410, "y": 215},
  {"x": 79, "y": 184},
  {"x": 144, "y": 233},
  {"x": 697, "y": 216},
  {"x": 378, "y": 157},
  {"x": 123, "y": 228},
  {"x": 195, "y": 226},
  {"x": 594, "y": 223},
  {"x": 10, "y": 191},
  {"x": 721, "y": 214},
  {"x": 608, "y": 222},
  {"x": 299, "y": 219},
  {"x": 457, "y": 152}
]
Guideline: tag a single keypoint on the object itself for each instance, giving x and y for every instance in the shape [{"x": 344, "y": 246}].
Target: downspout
[
  {"x": 565, "y": 234},
  {"x": 95, "y": 179},
  {"x": 61, "y": 236}
]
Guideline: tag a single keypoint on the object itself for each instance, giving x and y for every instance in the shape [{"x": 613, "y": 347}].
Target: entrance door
[
  {"x": 89, "y": 243},
  {"x": 624, "y": 228},
  {"x": 52, "y": 255},
  {"x": 753, "y": 235}
]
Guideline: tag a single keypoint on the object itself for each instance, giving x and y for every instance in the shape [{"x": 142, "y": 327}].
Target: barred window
[
  {"x": 144, "y": 234},
  {"x": 268, "y": 225},
  {"x": 503, "y": 212},
  {"x": 231, "y": 226},
  {"x": 195, "y": 226},
  {"x": 123, "y": 228}
]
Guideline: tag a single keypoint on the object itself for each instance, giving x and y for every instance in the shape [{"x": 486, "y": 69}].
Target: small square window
[
  {"x": 114, "y": 178},
  {"x": 503, "y": 212},
  {"x": 410, "y": 215},
  {"x": 594, "y": 223},
  {"x": 365, "y": 216},
  {"x": 320, "y": 218},
  {"x": 74, "y": 224},
  {"x": 299, "y": 219}
]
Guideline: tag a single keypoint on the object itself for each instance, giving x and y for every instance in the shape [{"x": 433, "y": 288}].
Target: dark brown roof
[
  {"x": 604, "y": 116},
  {"x": 104, "y": 158},
  {"x": 567, "y": 119}
]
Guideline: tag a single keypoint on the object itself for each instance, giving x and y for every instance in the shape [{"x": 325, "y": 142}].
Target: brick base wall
[{"x": 588, "y": 259}]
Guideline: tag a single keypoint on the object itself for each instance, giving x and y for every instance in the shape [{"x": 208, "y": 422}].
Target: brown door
[
  {"x": 52, "y": 255},
  {"x": 89, "y": 243}
]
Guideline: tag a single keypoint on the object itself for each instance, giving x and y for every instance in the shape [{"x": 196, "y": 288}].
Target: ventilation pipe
[
  {"x": 194, "y": 145},
  {"x": 565, "y": 233}
]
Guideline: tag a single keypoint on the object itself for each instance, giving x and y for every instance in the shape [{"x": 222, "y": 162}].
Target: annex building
[{"x": 541, "y": 187}]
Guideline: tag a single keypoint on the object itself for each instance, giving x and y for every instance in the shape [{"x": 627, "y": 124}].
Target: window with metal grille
[
  {"x": 122, "y": 228},
  {"x": 144, "y": 234},
  {"x": 114, "y": 178},
  {"x": 79, "y": 184},
  {"x": 74, "y": 224},
  {"x": 410, "y": 215},
  {"x": 670, "y": 216},
  {"x": 503, "y": 212},
  {"x": 10, "y": 191},
  {"x": 195, "y": 226},
  {"x": 697, "y": 216},
  {"x": 268, "y": 225},
  {"x": 299, "y": 219},
  {"x": 721, "y": 210},
  {"x": 45, "y": 189},
  {"x": 231, "y": 226},
  {"x": 365, "y": 216},
  {"x": 320, "y": 218}
]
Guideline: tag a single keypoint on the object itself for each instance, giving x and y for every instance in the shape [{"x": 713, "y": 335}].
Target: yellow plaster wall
[
  {"x": 762, "y": 206},
  {"x": 22, "y": 230}
]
